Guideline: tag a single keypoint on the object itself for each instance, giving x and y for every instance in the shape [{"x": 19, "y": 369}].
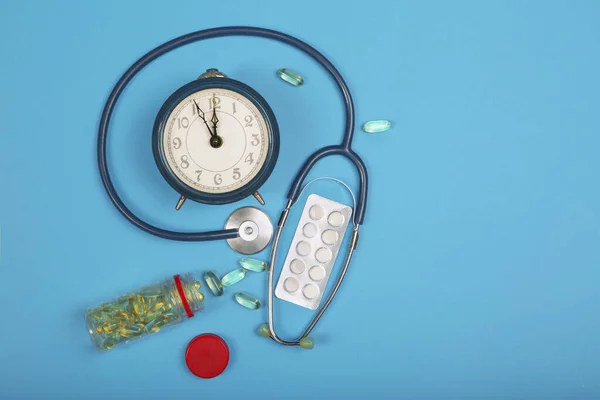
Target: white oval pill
[
  {"x": 323, "y": 255},
  {"x": 297, "y": 266},
  {"x": 291, "y": 285},
  {"x": 316, "y": 273},
  {"x": 310, "y": 291},
  {"x": 303, "y": 248},
  {"x": 330, "y": 237},
  {"x": 336, "y": 218},
  {"x": 316, "y": 212},
  {"x": 310, "y": 230}
]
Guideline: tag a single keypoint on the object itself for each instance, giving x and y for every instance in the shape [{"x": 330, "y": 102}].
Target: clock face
[{"x": 215, "y": 161}]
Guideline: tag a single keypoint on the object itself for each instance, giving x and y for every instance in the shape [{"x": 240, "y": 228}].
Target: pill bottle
[{"x": 145, "y": 311}]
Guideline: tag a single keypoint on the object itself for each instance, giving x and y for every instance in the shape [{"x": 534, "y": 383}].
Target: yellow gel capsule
[
  {"x": 307, "y": 343},
  {"x": 110, "y": 307},
  {"x": 264, "y": 331},
  {"x": 139, "y": 305}
]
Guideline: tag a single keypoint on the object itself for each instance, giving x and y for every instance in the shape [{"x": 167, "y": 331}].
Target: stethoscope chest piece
[{"x": 255, "y": 230}]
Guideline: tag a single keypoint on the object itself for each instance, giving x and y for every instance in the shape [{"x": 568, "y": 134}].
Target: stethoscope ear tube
[{"x": 361, "y": 201}]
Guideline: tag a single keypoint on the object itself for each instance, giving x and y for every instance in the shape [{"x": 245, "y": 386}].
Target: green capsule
[
  {"x": 139, "y": 305},
  {"x": 233, "y": 277},
  {"x": 247, "y": 301},
  {"x": 152, "y": 292},
  {"x": 108, "y": 327},
  {"x": 110, "y": 341},
  {"x": 170, "y": 317},
  {"x": 307, "y": 343},
  {"x": 214, "y": 283},
  {"x": 110, "y": 307},
  {"x": 131, "y": 330},
  {"x": 263, "y": 330},
  {"x": 155, "y": 325},
  {"x": 290, "y": 76},
  {"x": 155, "y": 309},
  {"x": 95, "y": 315},
  {"x": 252, "y": 264},
  {"x": 376, "y": 126},
  {"x": 124, "y": 318}
]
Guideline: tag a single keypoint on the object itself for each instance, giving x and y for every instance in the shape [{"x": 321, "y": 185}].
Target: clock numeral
[
  {"x": 210, "y": 102},
  {"x": 177, "y": 143},
  {"x": 234, "y": 110},
  {"x": 249, "y": 158},
  {"x": 248, "y": 119},
  {"x": 184, "y": 162},
  {"x": 218, "y": 179},
  {"x": 194, "y": 109},
  {"x": 255, "y": 140},
  {"x": 199, "y": 172},
  {"x": 182, "y": 123},
  {"x": 236, "y": 174}
]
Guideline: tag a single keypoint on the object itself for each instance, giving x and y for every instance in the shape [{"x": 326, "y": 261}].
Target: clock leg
[
  {"x": 180, "y": 203},
  {"x": 258, "y": 198}
]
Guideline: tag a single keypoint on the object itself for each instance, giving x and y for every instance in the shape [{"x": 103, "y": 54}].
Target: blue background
[{"x": 478, "y": 270}]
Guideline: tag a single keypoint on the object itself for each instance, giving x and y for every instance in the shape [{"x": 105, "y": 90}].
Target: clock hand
[
  {"x": 201, "y": 115},
  {"x": 214, "y": 119}
]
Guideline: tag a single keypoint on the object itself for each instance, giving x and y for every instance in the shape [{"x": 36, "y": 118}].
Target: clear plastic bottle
[{"x": 144, "y": 312}]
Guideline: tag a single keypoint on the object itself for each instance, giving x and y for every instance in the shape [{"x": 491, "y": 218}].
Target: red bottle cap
[{"x": 207, "y": 355}]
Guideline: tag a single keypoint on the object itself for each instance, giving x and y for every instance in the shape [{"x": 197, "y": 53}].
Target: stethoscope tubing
[{"x": 173, "y": 44}]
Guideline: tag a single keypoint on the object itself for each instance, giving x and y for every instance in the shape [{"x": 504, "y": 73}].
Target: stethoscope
[{"x": 344, "y": 149}]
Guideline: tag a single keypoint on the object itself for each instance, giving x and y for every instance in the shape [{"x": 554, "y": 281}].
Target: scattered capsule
[
  {"x": 307, "y": 343},
  {"x": 247, "y": 301},
  {"x": 264, "y": 331},
  {"x": 290, "y": 76},
  {"x": 377, "y": 126},
  {"x": 214, "y": 283},
  {"x": 233, "y": 277},
  {"x": 254, "y": 265}
]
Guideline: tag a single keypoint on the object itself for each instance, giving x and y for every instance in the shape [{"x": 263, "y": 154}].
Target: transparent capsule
[
  {"x": 110, "y": 341},
  {"x": 214, "y": 283},
  {"x": 244, "y": 299},
  {"x": 376, "y": 126},
  {"x": 131, "y": 330},
  {"x": 290, "y": 76},
  {"x": 139, "y": 305},
  {"x": 254, "y": 265},
  {"x": 233, "y": 277}
]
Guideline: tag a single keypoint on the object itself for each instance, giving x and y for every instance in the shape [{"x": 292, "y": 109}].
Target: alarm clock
[{"x": 215, "y": 140}]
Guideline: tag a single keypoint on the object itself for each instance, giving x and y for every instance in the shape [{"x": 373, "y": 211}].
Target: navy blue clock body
[{"x": 215, "y": 83}]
